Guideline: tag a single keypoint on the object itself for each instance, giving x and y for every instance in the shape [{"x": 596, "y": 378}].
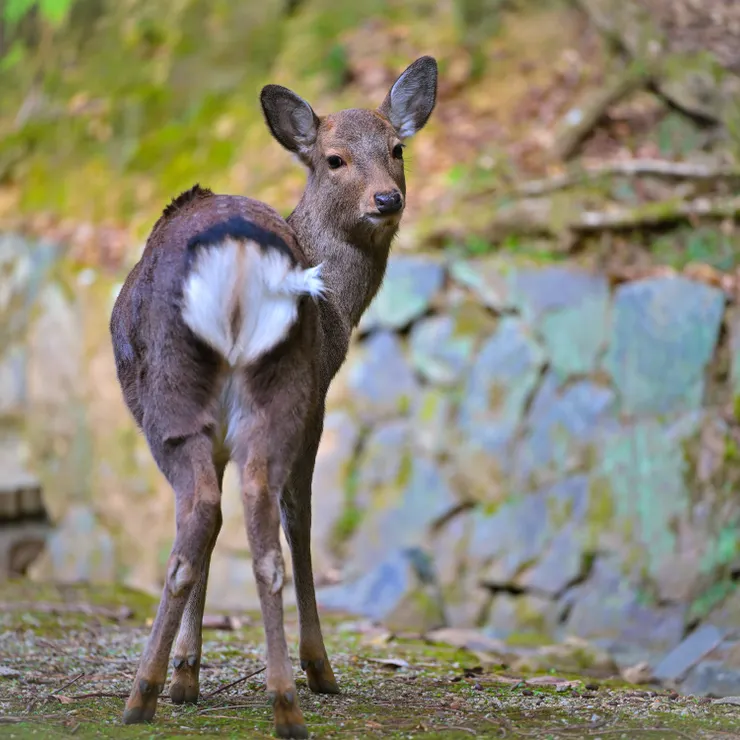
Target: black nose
[{"x": 390, "y": 202}]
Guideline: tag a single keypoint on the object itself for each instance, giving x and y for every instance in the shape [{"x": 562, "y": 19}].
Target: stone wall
[
  {"x": 531, "y": 450},
  {"x": 526, "y": 449}
]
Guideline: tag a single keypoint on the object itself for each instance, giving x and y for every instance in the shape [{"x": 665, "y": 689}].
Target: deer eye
[
  {"x": 334, "y": 162},
  {"x": 398, "y": 151}
]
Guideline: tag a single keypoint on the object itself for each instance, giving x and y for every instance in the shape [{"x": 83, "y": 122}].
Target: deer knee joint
[
  {"x": 180, "y": 575},
  {"x": 269, "y": 570}
]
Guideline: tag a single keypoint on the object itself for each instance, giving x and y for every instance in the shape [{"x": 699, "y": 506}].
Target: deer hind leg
[
  {"x": 188, "y": 465},
  {"x": 185, "y": 684},
  {"x": 262, "y": 481}
]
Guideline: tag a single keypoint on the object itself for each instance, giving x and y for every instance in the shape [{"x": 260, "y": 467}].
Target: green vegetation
[
  {"x": 109, "y": 109},
  {"x": 74, "y": 681}
]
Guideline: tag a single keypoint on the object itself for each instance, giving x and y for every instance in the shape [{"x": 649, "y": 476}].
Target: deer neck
[{"x": 353, "y": 265}]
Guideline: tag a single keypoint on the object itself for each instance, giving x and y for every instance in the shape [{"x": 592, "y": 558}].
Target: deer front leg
[
  {"x": 296, "y": 511},
  {"x": 263, "y": 529},
  {"x": 198, "y": 516},
  {"x": 185, "y": 684}
]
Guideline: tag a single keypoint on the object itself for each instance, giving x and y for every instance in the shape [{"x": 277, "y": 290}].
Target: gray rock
[
  {"x": 383, "y": 468},
  {"x": 330, "y": 485},
  {"x": 726, "y": 615},
  {"x": 733, "y": 323},
  {"x": 501, "y": 378},
  {"x": 402, "y": 514},
  {"x": 13, "y": 390},
  {"x": 79, "y": 549},
  {"x": 400, "y": 591},
  {"x": 499, "y": 383},
  {"x": 560, "y": 566},
  {"x": 431, "y": 417},
  {"x": 699, "y": 643},
  {"x": 561, "y": 428},
  {"x": 476, "y": 641},
  {"x": 711, "y": 678},
  {"x": 380, "y": 380},
  {"x": 569, "y": 308},
  {"x": 520, "y": 531},
  {"x": 609, "y": 611},
  {"x": 641, "y": 502},
  {"x": 728, "y": 651},
  {"x": 663, "y": 335},
  {"x": 486, "y": 278},
  {"x": 442, "y": 346},
  {"x": 464, "y": 596},
  {"x": 522, "y": 615},
  {"x": 410, "y": 284}
]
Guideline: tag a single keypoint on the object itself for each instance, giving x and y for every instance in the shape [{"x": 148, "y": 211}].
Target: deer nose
[{"x": 389, "y": 202}]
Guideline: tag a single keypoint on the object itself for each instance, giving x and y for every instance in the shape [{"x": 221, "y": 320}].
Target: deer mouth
[{"x": 379, "y": 218}]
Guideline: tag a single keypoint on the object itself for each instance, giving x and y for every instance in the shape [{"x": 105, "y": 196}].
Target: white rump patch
[{"x": 260, "y": 286}]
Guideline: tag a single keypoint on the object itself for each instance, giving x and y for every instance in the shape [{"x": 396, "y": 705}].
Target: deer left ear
[{"x": 411, "y": 100}]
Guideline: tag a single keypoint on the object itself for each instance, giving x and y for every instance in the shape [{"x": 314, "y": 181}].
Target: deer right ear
[{"x": 290, "y": 119}]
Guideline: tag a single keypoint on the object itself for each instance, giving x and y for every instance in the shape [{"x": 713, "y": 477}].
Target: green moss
[
  {"x": 351, "y": 516},
  {"x": 601, "y": 511},
  {"x": 429, "y": 407},
  {"x": 405, "y": 471}
]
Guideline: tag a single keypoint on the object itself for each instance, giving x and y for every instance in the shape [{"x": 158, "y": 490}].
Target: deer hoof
[
  {"x": 184, "y": 687},
  {"x": 320, "y": 676},
  {"x": 288, "y": 717},
  {"x": 142, "y": 704},
  {"x": 291, "y": 731}
]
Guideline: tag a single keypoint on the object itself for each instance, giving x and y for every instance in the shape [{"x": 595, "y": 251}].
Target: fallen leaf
[
  {"x": 638, "y": 673},
  {"x": 64, "y": 699},
  {"x": 390, "y": 662}
]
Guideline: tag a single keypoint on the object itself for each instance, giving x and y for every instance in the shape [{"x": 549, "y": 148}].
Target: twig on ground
[
  {"x": 235, "y": 683},
  {"x": 228, "y": 708},
  {"x": 31, "y": 718},
  {"x": 67, "y": 685},
  {"x": 102, "y": 695}
]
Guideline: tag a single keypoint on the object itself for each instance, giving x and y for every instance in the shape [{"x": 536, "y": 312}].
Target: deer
[{"x": 226, "y": 336}]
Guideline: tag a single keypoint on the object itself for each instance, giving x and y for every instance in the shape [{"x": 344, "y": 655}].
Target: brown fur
[{"x": 173, "y": 383}]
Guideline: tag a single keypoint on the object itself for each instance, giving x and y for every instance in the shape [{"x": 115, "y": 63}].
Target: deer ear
[
  {"x": 290, "y": 119},
  {"x": 411, "y": 100}
]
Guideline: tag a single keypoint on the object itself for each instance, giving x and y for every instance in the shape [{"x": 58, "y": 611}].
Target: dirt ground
[{"x": 67, "y": 656}]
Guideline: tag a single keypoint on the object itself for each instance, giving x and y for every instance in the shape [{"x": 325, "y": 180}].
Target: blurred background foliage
[{"x": 109, "y": 108}]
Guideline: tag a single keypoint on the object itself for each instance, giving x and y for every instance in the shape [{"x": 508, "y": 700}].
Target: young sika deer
[{"x": 226, "y": 336}]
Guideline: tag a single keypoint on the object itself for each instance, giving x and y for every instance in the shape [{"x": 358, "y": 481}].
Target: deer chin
[{"x": 378, "y": 220}]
